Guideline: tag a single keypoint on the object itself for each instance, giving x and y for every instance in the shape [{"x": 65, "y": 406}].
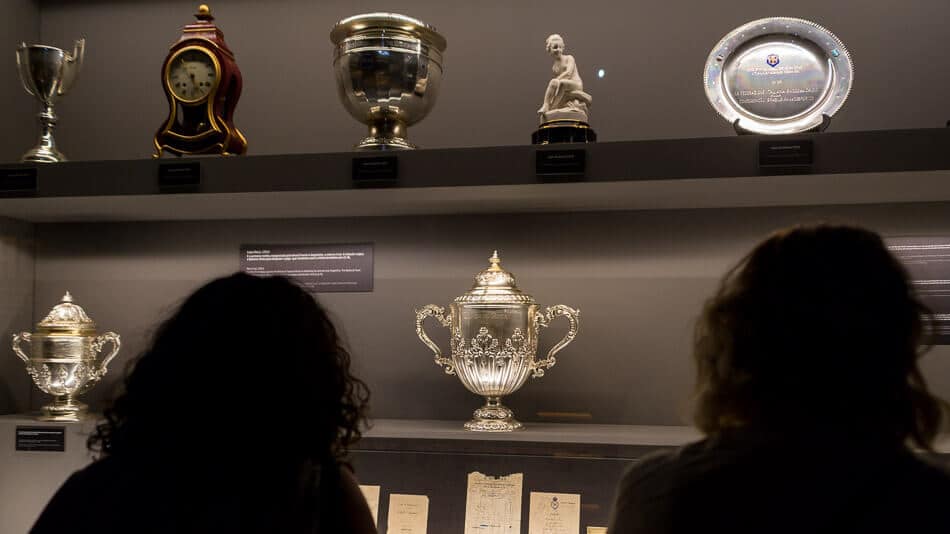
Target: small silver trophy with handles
[
  {"x": 494, "y": 342},
  {"x": 64, "y": 358},
  {"x": 48, "y": 73}
]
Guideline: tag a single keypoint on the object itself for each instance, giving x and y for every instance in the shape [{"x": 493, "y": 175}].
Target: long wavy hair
[
  {"x": 241, "y": 354},
  {"x": 817, "y": 327}
]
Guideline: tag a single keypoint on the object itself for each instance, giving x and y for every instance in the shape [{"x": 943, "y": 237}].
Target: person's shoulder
[
  {"x": 930, "y": 475},
  {"x": 72, "y": 505},
  {"x": 660, "y": 464},
  {"x": 97, "y": 472}
]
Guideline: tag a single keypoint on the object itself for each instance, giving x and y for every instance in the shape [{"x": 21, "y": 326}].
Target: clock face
[{"x": 192, "y": 74}]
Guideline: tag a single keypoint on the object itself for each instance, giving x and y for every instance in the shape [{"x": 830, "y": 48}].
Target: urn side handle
[
  {"x": 17, "y": 338},
  {"x": 108, "y": 337},
  {"x": 438, "y": 312},
  {"x": 543, "y": 320}
]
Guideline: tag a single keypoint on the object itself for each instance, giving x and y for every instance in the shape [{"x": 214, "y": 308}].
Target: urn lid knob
[
  {"x": 495, "y": 275},
  {"x": 67, "y": 317},
  {"x": 495, "y": 285}
]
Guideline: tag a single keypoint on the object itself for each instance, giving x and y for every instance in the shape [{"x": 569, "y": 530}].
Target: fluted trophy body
[
  {"x": 494, "y": 330},
  {"x": 48, "y": 73},
  {"x": 64, "y": 358},
  {"x": 388, "y": 70}
]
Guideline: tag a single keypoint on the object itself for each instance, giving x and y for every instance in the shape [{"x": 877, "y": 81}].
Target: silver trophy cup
[
  {"x": 48, "y": 73},
  {"x": 388, "y": 70},
  {"x": 64, "y": 358},
  {"x": 494, "y": 342}
]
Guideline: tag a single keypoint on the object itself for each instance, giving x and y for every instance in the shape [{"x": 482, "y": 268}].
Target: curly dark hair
[
  {"x": 240, "y": 354},
  {"x": 817, "y": 327}
]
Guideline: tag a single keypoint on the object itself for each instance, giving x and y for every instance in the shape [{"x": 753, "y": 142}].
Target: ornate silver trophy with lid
[
  {"x": 388, "y": 71},
  {"x": 48, "y": 73},
  {"x": 64, "y": 355},
  {"x": 494, "y": 342}
]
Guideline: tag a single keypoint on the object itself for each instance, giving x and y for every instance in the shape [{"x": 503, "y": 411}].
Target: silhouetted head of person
[
  {"x": 246, "y": 366},
  {"x": 817, "y": 328}
]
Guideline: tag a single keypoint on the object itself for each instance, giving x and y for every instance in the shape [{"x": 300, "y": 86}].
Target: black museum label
[{"x": 318, "y": 268}]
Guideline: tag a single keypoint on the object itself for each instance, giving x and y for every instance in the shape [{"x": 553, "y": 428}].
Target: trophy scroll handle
[
  {"x": 72, "y": 66},
  {"x": 17, "y": 338},
  {"x": 108, "y": 337},
  {"x": 543, "y": 320},
  {"x": 438, "y": 312}
]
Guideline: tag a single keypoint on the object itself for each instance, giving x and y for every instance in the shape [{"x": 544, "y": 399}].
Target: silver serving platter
[{"x": 778, "y": 75}]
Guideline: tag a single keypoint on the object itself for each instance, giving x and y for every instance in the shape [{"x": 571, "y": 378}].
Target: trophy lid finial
[
  {"x": 67, "y": 297},
  {"x": 495, "y": 262}
]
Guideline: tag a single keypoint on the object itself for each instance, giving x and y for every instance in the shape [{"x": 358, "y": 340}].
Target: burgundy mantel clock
[{"x": 203, "y": 84}]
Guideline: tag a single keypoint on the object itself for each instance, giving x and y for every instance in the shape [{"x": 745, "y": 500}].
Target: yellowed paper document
[
  {"x": 493, "y": 504},
  {"x": 554, "y": 513},
  {"x": 371, "y": 494},
  {"x": 596, "y": 530},
  {"x": 408, "y": 514}
]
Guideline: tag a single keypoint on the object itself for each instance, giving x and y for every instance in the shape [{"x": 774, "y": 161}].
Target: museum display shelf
[
  {"x": 562, "y": 439},
  {"x": 888, "y": 166},
  {"x": 399, "y": 455}
]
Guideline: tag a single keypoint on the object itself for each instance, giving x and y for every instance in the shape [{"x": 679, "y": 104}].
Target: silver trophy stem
[
  {"x": 45, "y": 151},
  {"x": 63, "y": 408},
  {"x": 386, "y": 134},
  {"x": 493, "y": 417}
]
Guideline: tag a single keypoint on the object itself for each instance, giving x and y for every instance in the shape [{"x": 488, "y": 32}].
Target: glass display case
[{"x": 634, "y": 229}]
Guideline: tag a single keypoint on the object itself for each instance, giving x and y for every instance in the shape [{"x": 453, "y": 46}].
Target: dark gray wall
[
  {"x": 16, "y": 311},
  {"x": 19, "y": 22},
  {"x": 639, "y": 279},
  {"x": 496, "y": 67}
]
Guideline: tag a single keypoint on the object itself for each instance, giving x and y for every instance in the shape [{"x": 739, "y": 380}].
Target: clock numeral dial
[{"x": 192, "y": 75}]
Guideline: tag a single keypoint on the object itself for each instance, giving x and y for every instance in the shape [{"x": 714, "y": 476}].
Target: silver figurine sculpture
[
  {"x": 388, "y": 71},
  {"x": 48, "y": 73}
]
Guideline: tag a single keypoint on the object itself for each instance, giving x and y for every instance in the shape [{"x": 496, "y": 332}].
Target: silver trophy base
[
  {"x": 379, "y": 143},
  {"x": 386, "y": 133},
  {"x": 493, "y": 417},
  {"x": 45, "y": 151},
  {"x": 42, "y": 154}
]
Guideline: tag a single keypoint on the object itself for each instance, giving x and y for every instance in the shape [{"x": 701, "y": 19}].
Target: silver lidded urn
[
  {"x": 388, "y": 71},
  {"x": 48, "y": 73},
  {"x": 494, "y": 330},
  {"x": 64, "y": 359}
]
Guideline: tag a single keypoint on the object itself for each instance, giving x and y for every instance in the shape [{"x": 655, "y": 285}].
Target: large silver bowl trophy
[
  {"x": 48, "y": 73},
  {"x": 494, "y": 342},
  {"x": 64, "y": 361},
  {"x": 388, "y": 70}
]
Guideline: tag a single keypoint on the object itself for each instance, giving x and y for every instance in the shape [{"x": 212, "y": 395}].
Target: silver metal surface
[
  {"x": 494, "y": 342},
  {"x": 48, "y": 73},
  {"x": 63, "y": 360},
  {"x": 778, "y": 75},
  {"x": 388, "y": 71}
]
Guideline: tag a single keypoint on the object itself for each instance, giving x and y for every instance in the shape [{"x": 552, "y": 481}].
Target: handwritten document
[
  {"x": 554, "y": 513},
  {"x": 371, "y": 494},
  {"x": 493, "y": 504},
  {"x": 408, "y": 514}
]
